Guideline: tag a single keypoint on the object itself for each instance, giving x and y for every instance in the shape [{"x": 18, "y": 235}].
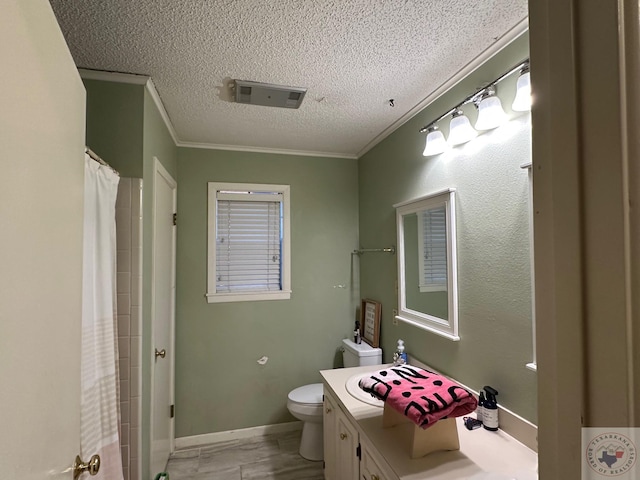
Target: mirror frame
[{"x": 447, "y": 328}]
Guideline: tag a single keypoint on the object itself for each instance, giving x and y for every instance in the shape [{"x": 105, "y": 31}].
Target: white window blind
[
  {"x": 432, "y": 233},
  {"x": 249, "y": 231}
]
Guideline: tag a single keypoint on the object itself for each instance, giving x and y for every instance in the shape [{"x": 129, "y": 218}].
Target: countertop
[{"x": 480, "y": 450}]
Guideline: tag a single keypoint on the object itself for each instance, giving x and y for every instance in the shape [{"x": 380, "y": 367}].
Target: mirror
[{"x": 427, "y": 283}]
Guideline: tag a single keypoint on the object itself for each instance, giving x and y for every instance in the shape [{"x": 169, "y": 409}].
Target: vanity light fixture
[
  {"x": 460, "y": 129},
  {"x": 435, "y": 144},
  {"x": 522, "y": 102},
  {"x": 490, "y": 112}
]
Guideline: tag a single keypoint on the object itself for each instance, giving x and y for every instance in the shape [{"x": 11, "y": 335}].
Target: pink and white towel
[{"x": 422, "y": 396}]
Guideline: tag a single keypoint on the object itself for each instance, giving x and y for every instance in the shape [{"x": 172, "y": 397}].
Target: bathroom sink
[{"x": 356, "y": 392}]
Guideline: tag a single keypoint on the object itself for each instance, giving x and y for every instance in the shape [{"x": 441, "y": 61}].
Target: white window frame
[
  {"x": 447, "y": 328},
  {"x": 285, "y": 292}
]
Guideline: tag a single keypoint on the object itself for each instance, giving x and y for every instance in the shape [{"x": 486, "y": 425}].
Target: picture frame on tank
[{"x": 370, "y": 312}]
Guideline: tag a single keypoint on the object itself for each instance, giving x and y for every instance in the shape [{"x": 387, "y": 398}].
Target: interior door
[
  {"x": 42, "y": 116},
  {"x": 164, "y": 242}
]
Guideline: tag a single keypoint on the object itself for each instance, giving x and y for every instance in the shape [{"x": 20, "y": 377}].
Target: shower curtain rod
[{"x": 95, "y": 157}]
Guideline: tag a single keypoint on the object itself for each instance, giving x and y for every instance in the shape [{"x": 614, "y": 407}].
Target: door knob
[
  {"x": 160, "y": 353},
  {"x": 92, "y": 466},
  {"x": 343, "y": 436}
]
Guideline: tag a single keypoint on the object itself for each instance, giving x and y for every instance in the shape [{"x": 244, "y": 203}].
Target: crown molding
[
  {"x": 117, "y": 77},
  {"x": 520, "y": 29},
  {"x": 147, "y": 82},
  {"x": 151, "y": 88},
  {"x": 134, "y": 79},
  {"x": 278, "y": 151}
]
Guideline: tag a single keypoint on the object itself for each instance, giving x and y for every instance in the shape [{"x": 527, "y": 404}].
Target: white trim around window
[{"x": 240, "y": 195}]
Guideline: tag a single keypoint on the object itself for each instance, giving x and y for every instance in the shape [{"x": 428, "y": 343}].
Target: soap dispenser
[
  {"x": 490, "y": 411},
  {"x": 400, "y": 357}
]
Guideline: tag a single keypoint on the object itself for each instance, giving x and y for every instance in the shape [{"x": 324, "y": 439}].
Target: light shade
[
  {"x": 435, "y": 144},
  {"x": 522, "y": 102},
  {"x": 460, "y": 129},
  {"x": 490, "y": 112}
]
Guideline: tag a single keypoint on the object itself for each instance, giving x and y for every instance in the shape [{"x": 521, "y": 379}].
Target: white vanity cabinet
[
  {"x": 341, "y": 443},
  {"x": 358, "y": 447}
]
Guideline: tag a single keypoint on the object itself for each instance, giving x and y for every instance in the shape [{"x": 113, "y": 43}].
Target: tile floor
[{"x": 271, "y": 457}]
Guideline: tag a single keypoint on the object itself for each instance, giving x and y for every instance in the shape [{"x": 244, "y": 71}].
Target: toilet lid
[{"x": 311, "y": 394}]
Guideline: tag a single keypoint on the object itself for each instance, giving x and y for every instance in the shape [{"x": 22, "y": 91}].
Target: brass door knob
[
  {"x": 160, "y": 353},
  {"x": 92, "y": 466},
  {"x": 328, "y": 410},
  {"x": 374, "y": 477},
  {"x": 343, "y": 436}
]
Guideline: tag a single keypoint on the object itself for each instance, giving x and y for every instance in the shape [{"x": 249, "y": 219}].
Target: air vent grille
[{"x": 269, "y": 95}]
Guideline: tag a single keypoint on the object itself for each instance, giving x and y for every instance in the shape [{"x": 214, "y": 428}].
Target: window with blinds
[
  {"x": 248, "y": 246},
  {"x": 432, "y": 242}
]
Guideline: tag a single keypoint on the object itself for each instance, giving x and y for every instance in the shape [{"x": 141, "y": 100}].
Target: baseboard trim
[{"x": 194, "y": 441}]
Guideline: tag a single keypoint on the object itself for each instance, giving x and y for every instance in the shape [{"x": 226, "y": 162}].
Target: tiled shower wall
[{"x": 129, "y": 288}]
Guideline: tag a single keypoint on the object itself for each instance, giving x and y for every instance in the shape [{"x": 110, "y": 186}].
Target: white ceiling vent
[{"x": 269, "y": 95}]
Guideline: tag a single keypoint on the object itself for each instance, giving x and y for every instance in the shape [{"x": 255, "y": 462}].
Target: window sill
[{"x": 247, "y": 297}]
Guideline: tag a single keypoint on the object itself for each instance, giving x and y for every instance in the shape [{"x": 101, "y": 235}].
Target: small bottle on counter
[
  {"x": 357, "y": 337},
  {"x": 480, "y": 409},
  {"x": 400, "y": 357},
  {"x": 490, "y": 410}
]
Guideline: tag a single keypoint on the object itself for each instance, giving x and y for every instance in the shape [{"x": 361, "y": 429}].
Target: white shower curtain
[{"x": 99, "y": 368}]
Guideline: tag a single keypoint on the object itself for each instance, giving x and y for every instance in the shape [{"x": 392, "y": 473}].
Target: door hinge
[
  {"x": 175, "y": 218},
  {"x": 324, "y": 465},
  {"x": 172, "y": 411},
  {"x": 359, "y": 452}
]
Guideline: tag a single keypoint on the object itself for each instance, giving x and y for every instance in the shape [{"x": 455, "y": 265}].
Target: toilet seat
[{"x": 310, "y": 395}]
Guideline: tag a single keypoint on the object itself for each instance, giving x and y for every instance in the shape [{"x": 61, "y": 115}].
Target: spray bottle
[{"x": 490, "y": 411}]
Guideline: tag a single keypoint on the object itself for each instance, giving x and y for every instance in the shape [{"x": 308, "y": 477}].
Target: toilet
[{"x": 305, "y": 403}]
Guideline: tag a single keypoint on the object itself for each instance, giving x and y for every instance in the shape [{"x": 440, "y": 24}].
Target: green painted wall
[
  {"x": 156, "y": 142},
  {"x": 219, "y": 384},
  {"x": 493, "y": 240},
  {"x": 115, "y": 120},
  {"x": 156, "y": 139},
  {"x": 125, "y": 128}
]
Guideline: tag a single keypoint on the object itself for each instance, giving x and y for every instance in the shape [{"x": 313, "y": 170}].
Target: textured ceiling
[{"x": 352, "y": 55}]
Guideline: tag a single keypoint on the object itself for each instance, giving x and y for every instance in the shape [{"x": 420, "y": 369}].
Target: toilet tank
[{"x": 357, "y": 355}]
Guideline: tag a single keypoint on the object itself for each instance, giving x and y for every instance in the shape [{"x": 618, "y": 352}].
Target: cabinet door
[
  {"x": 348, "y": 463},
  {"x": 329, "y": 431},
  {"x": 369, "y": 468}
]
